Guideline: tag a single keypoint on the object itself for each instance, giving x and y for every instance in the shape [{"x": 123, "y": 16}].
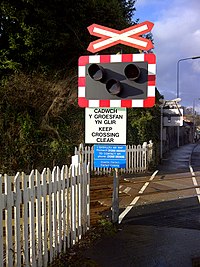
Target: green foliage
[
  {"x": 108, "y": 228},
  {"x": 36, "y": 123},
  {"x": 45, "y": 37},
  {"x": 40, "y": 43},
  {"x": 143, "y": 125}
]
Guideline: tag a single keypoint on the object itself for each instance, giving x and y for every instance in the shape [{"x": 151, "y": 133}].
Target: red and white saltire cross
[{"x": 129, "y": 36}]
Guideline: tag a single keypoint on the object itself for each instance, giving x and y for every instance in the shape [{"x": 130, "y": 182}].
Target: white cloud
[
  {"x": 196, "y": 66},
  {"x": 177, "y": 35}
]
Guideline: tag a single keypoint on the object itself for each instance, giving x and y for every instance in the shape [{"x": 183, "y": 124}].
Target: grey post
[{"x": 115, "y": 197}]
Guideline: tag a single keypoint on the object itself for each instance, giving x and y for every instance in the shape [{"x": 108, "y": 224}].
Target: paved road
[
  {"x": 160, "y": 233},
  {"x": 165, "y": 235}
]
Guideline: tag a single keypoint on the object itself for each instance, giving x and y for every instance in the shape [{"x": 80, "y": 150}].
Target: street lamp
[{"x": 177, "y": 88}]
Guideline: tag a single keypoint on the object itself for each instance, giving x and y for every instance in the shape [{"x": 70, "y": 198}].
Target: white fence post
[
  {"x": 1, "y": 219},
  {"x": 32, "y": 202},
  {"x": 44, "y": 218},
  {"x": 9, "y": 203}
]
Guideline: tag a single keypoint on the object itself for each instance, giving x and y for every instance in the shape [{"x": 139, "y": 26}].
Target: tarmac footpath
[
  {"x": 164, "y": 234},
  {"x": 178, "y": 159}
]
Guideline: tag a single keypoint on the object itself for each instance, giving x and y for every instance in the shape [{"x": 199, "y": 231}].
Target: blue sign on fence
[{"x": 107, "y": 156}]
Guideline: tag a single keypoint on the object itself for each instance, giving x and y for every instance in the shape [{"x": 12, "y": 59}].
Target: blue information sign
[{"x": 110, "y": 156}]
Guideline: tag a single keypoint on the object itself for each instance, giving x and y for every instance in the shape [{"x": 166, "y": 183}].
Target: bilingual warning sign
[{"x": 105, "y": 125}]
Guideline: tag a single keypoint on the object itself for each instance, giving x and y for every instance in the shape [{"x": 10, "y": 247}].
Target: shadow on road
[{"x": 181, "y": 213}]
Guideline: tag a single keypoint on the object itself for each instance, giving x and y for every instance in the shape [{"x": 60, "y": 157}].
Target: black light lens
[
  {"x": 96, "y": 72},
  {"x": 132, "y": 72},
  {"x": 113, "y": 87}
]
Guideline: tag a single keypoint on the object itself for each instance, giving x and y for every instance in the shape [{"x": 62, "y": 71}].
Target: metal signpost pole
[
  {"x": 115, "y": 197},
  {"x": 111, "y": 156}
]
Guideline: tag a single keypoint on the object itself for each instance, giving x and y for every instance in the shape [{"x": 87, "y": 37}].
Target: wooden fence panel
[{"x": 43, "y": 214}]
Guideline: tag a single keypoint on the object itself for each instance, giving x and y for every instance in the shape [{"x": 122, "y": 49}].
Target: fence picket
[
  {"x": 50, "y": 220},
  {"x": 31, "y": 215},
  {"x": 59, "y": 209},
  {"x": 79, "y": 202},
  {"x": 73, "y": 206},
  {"x": 25, "y": 217},
  {"x": 87, "y": 174},
  {"x": 1, "y": 225},
  {"x": 54, "y": 210},
  {"x": 44, "y": 218},
  {"x": 63, "y": 207},
  {"x": 9, "y": 202},
  {"x": 84, "y": 203},
  {"x": 38, "y": 221},
  {"x": 68, "y": 203}
]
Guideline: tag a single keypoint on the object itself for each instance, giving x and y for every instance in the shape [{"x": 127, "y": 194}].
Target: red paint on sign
[
  {"x": 126, "y": 103},
  {"x": 129, "y": 36}
]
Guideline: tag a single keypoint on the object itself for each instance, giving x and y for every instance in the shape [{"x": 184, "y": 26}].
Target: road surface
[{"x": 159, "y": 216}]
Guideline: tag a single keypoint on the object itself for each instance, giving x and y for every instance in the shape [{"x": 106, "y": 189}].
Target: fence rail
[
  {"x": 42, "y": 214},
  {"x": 138, "y": 158}
]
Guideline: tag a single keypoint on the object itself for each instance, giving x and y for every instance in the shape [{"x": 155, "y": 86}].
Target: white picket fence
[
  {"x": 138, "y": 158},
  {"x": 42, "y": 214}
]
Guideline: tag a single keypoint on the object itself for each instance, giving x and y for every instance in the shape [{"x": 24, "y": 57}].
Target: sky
[{"x": 176, "y": 35}]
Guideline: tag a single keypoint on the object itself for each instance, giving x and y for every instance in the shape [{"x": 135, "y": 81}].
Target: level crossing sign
[
  {"x": 135, "y": 92},
  {"x": 105, "y": 125},
  {"x": 121, "y": 80},
  {"x": 128, "y": 36}
]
